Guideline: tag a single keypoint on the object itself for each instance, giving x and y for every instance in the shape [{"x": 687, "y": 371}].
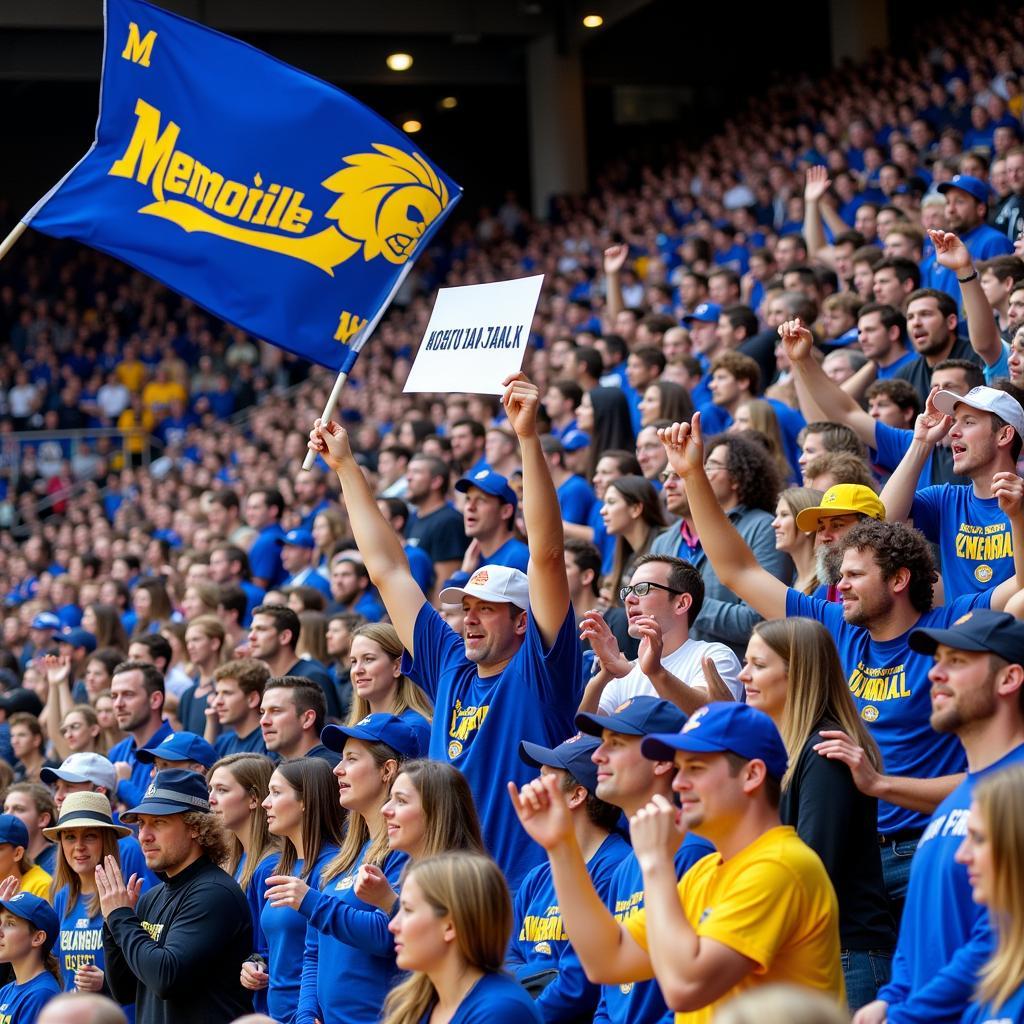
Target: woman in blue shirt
[
  {"x": 991, "y": 852},
  {"x": 238, "y": 786},
  {"x": 85, "y": 835},
  {"x": 28, "y": 930},
  {"x": 451, "y": 931},
  {"x": 378, "y": 685},
  {"x": 302, "y": 808}
]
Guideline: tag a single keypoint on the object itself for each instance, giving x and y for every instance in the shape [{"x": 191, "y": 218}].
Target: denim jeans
[
  {"x": 865, "y": 972},
  {"x": 896, "y": 861}
]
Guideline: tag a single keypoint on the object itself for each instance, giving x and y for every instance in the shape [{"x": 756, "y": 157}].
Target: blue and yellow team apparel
[
  {"x": 539, "y": 942},
  {"x": 285, "y": 931},
  {"x": 266, "y": 195},
  {"x": 354, "y": 953},
  {"x": 22, "y": 1004},
  {"x": 494, "y": 999},
  {"x": 890, "y": 688},
  {"x": 641, "y": 1002},
  {"x": 1011, "y": 1012},
  {"x": 973, "y": 535},
  {"x": 478, "y": 722},
  {"x": 945, "y": 937}
]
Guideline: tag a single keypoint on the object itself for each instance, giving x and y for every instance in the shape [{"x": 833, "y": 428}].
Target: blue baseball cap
[
  {"x": 705, "y": 313},
  {"x": 573, "y": 756},
  {"x": 974, "y": 187},
  {"x": 997, "y": 633},
  {"x": 78, "y": 637},
  {"x": 182, "y": 746},
  {"x": 575, "y": 439},
  {"x": 490, "y": 483},
  {"x": 724, "y": 727},
  {"x": 409, "y": 738},
  {"x": 298, "y": 539},
  {"x": 172, "y": 791},
  {"x": 13, "y": 830},
  {"x": 638, "y": 716},
  {"x": 45, "y": 620},
  {"x": 37, "y": 912}
]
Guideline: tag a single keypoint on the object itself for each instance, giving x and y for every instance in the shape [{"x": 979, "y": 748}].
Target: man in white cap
[
  {"x": 971, "y": 525},
  {"x": 517, "y": 674}
]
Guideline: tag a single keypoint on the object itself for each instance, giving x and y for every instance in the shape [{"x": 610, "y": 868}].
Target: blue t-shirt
[
  {"x": 1011, "y": 1012},
  {"x": 254, "y": 897},
  {"x": 602, "y": 540},
  {"x": 513, "y": 553},
  {"x": 421, "y": 567},
  {"x": 265, "y": 555},
  {"x": 22, "y": 1004},
  {"x": 229, "y": 742},
  {"x": 576, "y": 499},
  {"x": 355, "y": 950},
  {"x": 944, "y": 935},
  {"x": 478, "y": 722},
  {"x": 973, "y": 535},
  {"x": 890, "y": 688},
  {"x": 641, "y": 1002},
  {"x": 131, "y": 790},
  {"x": 539, "y": 942},
  {"x": 885, "y": 372},
  {"x": 80, "y": 943},
  {"x": 494, "y": 999},
  {"x": 891, "y": 444},
  {"x": 285, "y": 931}
]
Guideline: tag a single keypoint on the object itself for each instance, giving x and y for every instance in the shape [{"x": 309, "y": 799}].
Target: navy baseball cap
[
  {"x": 974, "y": 187},
  {"x": 705, "y": 313},
  {"x": 724, "y": 727},
  {"x": 45, "y": 620},
  {"x": 37, "y": 912},
  {"x": 172, "y": 791},
  {"x": 573, "y": 756},
  {"x": 78, "y": 637},
  {"x": 182, "y": 746},
  {"x": 997, "y": 633},
  {"x": 490, "y": 483},
  {"x": 298, "y": 539},
  {"x": 405, "y": 737},
  {"x": 13, "y": 830},
  {"x": 638, "y": 716}
]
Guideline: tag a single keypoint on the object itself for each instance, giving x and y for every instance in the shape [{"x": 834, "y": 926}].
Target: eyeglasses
[
  {"x": 668, "y": 474},
  {"x": 643, "y": 589},
  {"x": 709, "y": 466}
]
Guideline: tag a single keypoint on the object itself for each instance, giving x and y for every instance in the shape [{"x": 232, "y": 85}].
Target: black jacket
[{"x": 178, "y": 957}]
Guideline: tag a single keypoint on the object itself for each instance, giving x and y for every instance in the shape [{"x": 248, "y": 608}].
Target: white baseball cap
[
  {"x": 497, "y": 583},
  {"x": 985, "y": 399},
  {"x": 83, "y": 766}
]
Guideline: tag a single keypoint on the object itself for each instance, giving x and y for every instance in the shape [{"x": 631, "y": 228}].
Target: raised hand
[
  {"x": 951, "y": 253},
  {"x": 9, "y": 886},
  {"x": 1008, "y": 489},
  {"x": 717, "y": 687},
  {"x": 932, "y": 426},
  {"x": 656, "y": 831},
  {"x": 594, "y": 628},
  {"x": 112, "y": 890},
  {"x": 684, "y": 446},
  {"x": 373, "y": 888},
  {"x": 797, "y": 340},
  {"x": 651, "y": 644},
  {"x": 543, "y": 811},
  {"x": 57, "y": 668},
  {"x": 615, "y": 258},
  {"x": 330, "y": 441},
  {"x": 837, "y": 746},
  {"x": 285, "y": 891},
  {"x": 818, "y": 183},
  {"x": 521, "y": 401}
]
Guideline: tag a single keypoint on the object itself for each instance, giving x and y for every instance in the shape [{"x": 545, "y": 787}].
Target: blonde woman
[
  {"x": 758, "y": 414},
  {"x": 792, "y": 540},
  {"x": 451, "y": 933},
  {"x": 379, "y": 686},
  {"x": 329, "y": 527},
  {"x": 991, "y": 852},
  {"x": 793, "y": 674}
]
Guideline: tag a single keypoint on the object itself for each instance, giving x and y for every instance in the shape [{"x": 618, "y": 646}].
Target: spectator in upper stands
[
  {"x": 436, "y": 527},
  {"x": 351, "y": 590},
  {"x": 489, "y": 521},
  {"x": 263, "y": 511}
]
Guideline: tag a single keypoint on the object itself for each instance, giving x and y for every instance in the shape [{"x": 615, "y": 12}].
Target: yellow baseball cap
[{"x": 842, "y": 500}]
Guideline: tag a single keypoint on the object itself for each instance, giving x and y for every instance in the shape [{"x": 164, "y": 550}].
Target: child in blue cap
[{"x": 28, "y": 930}]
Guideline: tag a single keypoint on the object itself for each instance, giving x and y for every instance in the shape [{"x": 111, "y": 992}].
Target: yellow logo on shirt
[
  {"x": 984, "y": 544},
  {"x": 878, "y": 684},
  {"x": 154, "y": 930},
  {"x": 464, "y": 722}
]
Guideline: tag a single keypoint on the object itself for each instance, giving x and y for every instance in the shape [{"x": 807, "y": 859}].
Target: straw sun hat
[{"x": 85, "y": 810}]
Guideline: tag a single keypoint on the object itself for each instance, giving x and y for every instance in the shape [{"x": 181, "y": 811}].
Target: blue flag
[{"x": 269, "y": 197}]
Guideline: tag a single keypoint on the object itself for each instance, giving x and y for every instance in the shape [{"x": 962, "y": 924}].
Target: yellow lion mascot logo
[{"x": 387, "y": 200}]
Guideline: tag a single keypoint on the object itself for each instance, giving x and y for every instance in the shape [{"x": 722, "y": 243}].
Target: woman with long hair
[
  {"x": 789, "y": 538},
  {"x": 205, "y": 641},
  {"x": 99, "y": 671},
  {"x": 152, "y": 605},
  {"x": 793, "y": 674},
  {"x": 451, "y": 932},
  {"x": 378, "y": 684},
  {"x": 80, "y": 731},
  {"x": 991, "y": 852},
  {"x": 758, "y": 414},
  {"x": 302, "y": 810},
  {"x": 330, "y": 525},
  {"x": 28, "y": 930},
  {"x": 177, "y": 675},
  {"x": 604, "y": 415},
  {"x": 104, "y": 622},
  {"x": 313, "y": 636},
  {"x": 111, "y": 731},
  {"x": 85, "y": 835},
  {"x": 238, "y": 784},
  {"x": 355, "y": 964},
  {"x": 665, "y": 400},
  {"x": 633, "y": 514}
]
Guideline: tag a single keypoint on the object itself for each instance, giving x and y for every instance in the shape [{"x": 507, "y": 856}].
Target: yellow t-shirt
[
  {"x": 774, "y": 903},
  {"x": 36, "y": 881}
]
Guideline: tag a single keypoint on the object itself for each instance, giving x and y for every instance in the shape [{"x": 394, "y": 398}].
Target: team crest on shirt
[
  {"x": 454, "y": 749},
  {"x": 627, "y": 988},
  {"x": 869, "y": 713},
  {"x": 983, "y": 573},
  {"x": 346, "y": 883},
  {"x": 543, "y": 947}
]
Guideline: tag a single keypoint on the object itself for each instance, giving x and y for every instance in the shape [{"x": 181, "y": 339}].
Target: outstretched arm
[
  {"x": 375, "y": 537},
  {"x": 732, "y": 559},
  {"x": 614, "y": 260},
  {"x": 816, "y": 186}
]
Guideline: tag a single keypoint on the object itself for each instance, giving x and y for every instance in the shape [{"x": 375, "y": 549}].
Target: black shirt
[
  {"x": 919, "y": 373},
  {"x": 840, "y": 824},
  {"x": 439, "y": 533},
  {"x": 179, "y": 955}
]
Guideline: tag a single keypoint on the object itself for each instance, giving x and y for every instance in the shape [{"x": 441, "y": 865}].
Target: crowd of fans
[{"x": 685, "y": 678}]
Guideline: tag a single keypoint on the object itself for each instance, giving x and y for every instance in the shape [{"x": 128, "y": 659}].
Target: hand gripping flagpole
[{"x": 356, "y": 346}]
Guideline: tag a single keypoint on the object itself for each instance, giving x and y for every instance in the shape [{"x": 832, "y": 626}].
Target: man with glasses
[
  {"x": 663, "y": 599},
  {"x": 746, "y": 484}
]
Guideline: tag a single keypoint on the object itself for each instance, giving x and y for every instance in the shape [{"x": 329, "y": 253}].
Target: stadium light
[
  {"x": 592, "y": 21},
  {"x": 448, "y": 103},
  {"x": 411, "y": 126},
  {"x": 399, "y": 61}
]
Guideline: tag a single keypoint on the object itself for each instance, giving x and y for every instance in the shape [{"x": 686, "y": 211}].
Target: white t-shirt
[{"x": 684, "y": 664}]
